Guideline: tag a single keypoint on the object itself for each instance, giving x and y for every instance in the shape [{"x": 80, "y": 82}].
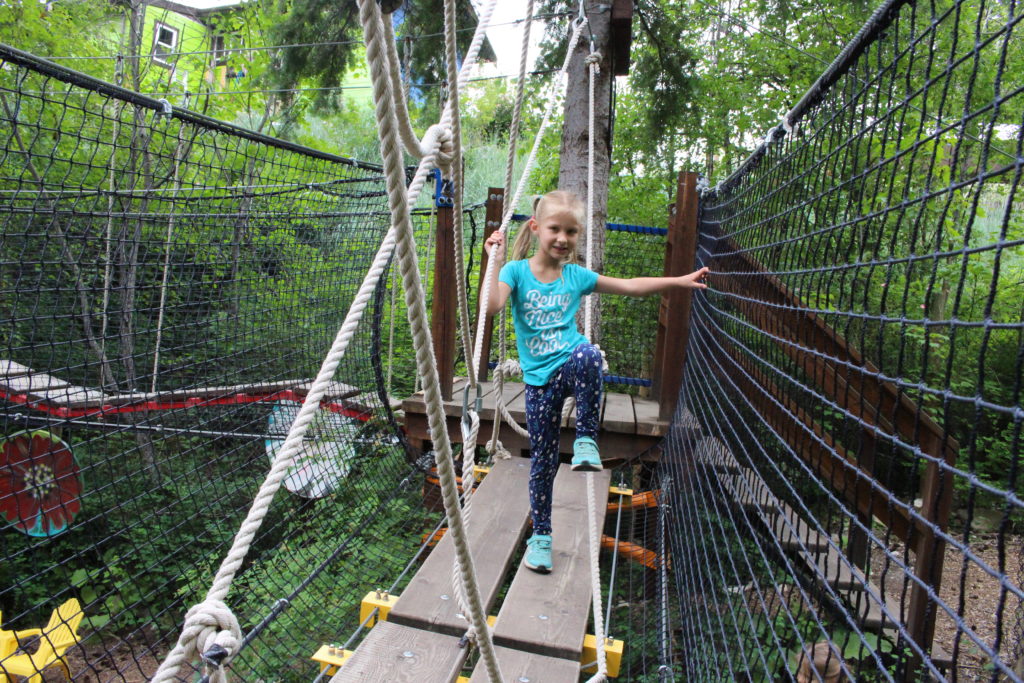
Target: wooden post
[
  {"x": 444, "y": 309},
  {"x": 674, "y": 312},
  {"x": 929, "y": 547},
  {"x": 495, "y": 208}
]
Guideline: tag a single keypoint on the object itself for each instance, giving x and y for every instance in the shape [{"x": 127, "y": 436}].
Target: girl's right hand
[{"x": 496, "y": 239}]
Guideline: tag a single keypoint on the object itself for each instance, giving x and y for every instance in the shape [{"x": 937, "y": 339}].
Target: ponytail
[{"x": 524, "y": 241}]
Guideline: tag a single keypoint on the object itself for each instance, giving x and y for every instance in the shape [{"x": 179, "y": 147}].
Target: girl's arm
[
  {"x": 499, "y": 291},
  {"x": 642, "y": 286}
]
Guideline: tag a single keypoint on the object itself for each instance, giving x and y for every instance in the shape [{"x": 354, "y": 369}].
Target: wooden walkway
[
  {"x": 540, "y": 626},
  {"x": 630, "y": 425}
]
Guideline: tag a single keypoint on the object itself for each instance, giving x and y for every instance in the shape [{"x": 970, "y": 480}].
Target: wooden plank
[
  {"x": 648, "y": 421},
  {"x": 392, "y": 653},
  {"x": 674, "y": 310},
  {"x": 510, "y": 391},
  {"x": 72, "y": 397},
  {"x": 500, "y": 511},
  {"x": 517, "y": 408},
  {"x": 444, "y": 309},
  {"x": 621, "y": 35},
  {"x": 493, "y": 215},
  {"x": 516, "y": 665},
  {"x": 710, "y": 452},
  {"x": 30, "y": 383},
  {"x": 618, "y": 414},
  {"x": 8, "y": 368},
  {"x": 415, "y": 403},
  {"x": 547, "y": 613},
  {"x": 797, "y": 534}
]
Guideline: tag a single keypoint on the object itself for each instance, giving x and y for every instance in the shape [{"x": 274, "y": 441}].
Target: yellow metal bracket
[
  {"x": 481, "y": 471},
  {"x": 619, "y": 491},
  {"x": 612, "y": 653},
  {"x": 330, "y": 658},
  {"x": 381, "y": 601}
]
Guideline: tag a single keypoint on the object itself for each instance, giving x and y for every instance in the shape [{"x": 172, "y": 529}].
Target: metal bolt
[
  {"x": 523, "y": 679},
  {"x": 445, "y": 597},
  {"x": 542, "y": 617},
  {"x": 408, "y": 654}
]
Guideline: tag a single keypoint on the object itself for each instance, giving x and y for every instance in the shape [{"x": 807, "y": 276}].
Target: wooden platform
[
  {"x": 540, "y": 627},
  {"x": 22, "y": 384},
  {"x": 629, "y": 424}
]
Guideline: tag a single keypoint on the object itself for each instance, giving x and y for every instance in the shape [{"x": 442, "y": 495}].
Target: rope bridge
[
  {"x": 856, "y": 372},
  {"x": 841, "y": 477}
]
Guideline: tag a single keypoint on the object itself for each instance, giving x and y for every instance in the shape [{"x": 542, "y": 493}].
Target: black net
[
  {"x": 846, "y": 457},
  {"x": 170, "y": 285}
]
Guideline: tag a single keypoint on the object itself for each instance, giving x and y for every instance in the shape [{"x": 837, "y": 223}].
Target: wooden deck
[
  {"x": 630, "y": 425},
  {"x": 539, "y": 629}
]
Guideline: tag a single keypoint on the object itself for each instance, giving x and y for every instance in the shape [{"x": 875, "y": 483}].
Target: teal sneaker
[
  {"x": 538, "y": 553},
  {"x": 585, "y": 455}
]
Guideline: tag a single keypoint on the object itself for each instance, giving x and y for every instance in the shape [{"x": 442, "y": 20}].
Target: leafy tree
[{"x": 328, "y": 36}]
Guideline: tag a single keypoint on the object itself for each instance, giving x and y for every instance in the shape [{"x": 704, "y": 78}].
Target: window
[
  {"x": 165, "y": 42},
  {"x": 217, "y": 46}
]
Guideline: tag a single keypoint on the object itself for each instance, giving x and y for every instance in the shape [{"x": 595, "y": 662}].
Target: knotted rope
[
  {"x": 373, "y": 33},
  {"x": 436, "y": 145}
]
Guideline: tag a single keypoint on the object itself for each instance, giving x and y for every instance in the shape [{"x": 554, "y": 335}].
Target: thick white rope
[
  {"x": 416, "y": 308},
  {"x": 595, "y": 581},
  {"x": 594, "y": 62},
  {"x": 494, "y": 446},
  {"x": 188, "y": 647}
]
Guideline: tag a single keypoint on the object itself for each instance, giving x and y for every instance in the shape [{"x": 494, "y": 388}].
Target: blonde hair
[{"x": 541, "y": 206}]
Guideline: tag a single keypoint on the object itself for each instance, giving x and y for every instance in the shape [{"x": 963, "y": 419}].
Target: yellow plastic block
[
  {"x": 619, "y": 491},
  {"x": 480, "y": 472},
  {"x": 331, "y": 658},
  {"x": 378, "y": 600},
  {"x": 462, "y": 679},
  {"x": 612, "y": 653}
]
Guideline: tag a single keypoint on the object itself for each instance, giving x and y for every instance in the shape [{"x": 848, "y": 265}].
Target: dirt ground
[
  {"x": 982, "y": 594},
  {"x": 91, "y": 663}
]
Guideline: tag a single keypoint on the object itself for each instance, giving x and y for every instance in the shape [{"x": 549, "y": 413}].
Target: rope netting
[
  {"x": 170, "y": 286},
  {"x": 844, "y": 471}
]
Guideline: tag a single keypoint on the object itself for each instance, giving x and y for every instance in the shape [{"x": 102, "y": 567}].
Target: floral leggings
[{"x": 581, "y": 376}]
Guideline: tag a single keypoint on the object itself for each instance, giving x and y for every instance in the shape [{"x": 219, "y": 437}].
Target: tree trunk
[{"x": 572, "y": 173}]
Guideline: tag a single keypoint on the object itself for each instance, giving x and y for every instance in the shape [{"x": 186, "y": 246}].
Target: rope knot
[
  {"x": 209, "y": 625},
  {"x": 498, "y": 450},
  {"x": 594, "y": 58},
  {"x": 509, "y": 368},
  {"x": 438, "y": 142}
]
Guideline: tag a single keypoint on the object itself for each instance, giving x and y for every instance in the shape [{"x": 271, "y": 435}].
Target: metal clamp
[
  {"x": 444, "y": 190},
  {"x": 467, "y": 422}
]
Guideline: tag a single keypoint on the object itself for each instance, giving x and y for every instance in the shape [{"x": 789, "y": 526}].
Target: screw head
[
  {"x": 408, "y": 654},
  {"x": 542, "y": 617}
]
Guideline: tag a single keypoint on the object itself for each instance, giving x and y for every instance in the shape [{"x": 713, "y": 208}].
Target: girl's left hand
[{"x": 695, "y": 280}]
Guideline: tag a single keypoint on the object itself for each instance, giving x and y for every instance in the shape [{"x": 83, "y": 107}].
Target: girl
[{"x": 556, "y": 359}]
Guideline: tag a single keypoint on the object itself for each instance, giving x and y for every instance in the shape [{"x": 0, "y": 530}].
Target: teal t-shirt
[{"x": 545, "y": 316}]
